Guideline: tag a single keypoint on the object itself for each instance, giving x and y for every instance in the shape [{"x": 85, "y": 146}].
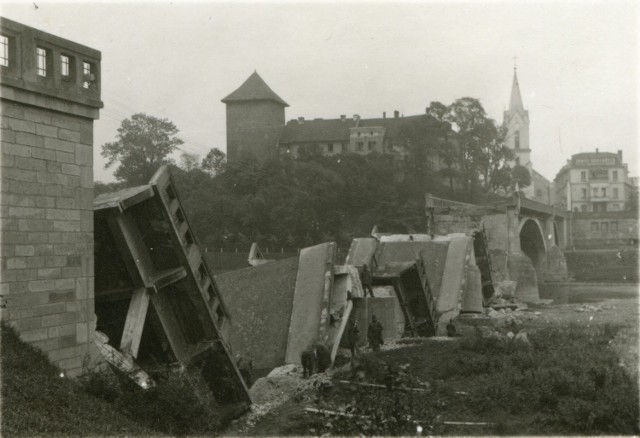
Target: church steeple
[{"x": 515, "y": 104}]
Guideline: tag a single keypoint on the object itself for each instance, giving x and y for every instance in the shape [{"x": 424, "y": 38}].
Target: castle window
[
  {"x": 88, "y": 75},
  {"x": 41, "y": 55},
  {"x": 517, "y": 139},
  {"x": 4, "y": 51}
]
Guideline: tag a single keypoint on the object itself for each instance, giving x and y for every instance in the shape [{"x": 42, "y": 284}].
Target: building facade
[
  {"x": 593, "y": 182},
  {"x": 50, "y": 96}
]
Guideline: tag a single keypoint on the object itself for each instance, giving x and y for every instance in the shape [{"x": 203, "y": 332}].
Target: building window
[
  {"x": 517, "y": 139},
  {"x": 4, "y": 51},
  {"x": 64, "y": 66},
  {"x": 583, "y": 208},
  {"x": 605, "y": 226},
  {"x": 594, "y": 226},
  {"x": 330, "y": 147},
  {"x": 371, "y": 145},
  {"x": 583, "y": 175},
  {"x": 584, "y": 193},
  {"x": 88, "y": 75},
  {"x": 615, "y": 193},
  {"x": 614, "y": 226},
  {"x": 603, "y": 190},
  {"x": 595, "y": 192},
  {"x": 41, "y": 68},
  {"x": 614, "y": 174},
  {"x": 360, "y": 146}
]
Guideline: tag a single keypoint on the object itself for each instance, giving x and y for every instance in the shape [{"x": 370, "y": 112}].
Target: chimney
[
  {"x": 301, "y": 120},
  {"x": 597, "y": 150},
  {"x": 396, "y": 114},
  {"x": 620, "y": 154},
  {"x": 343, "y": 117},
  {"x": 384, "y": 115},
  {"x": 356, "y": 117}
]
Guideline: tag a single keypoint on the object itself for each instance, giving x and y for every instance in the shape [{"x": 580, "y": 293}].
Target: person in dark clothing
[
  {"x": 365, "y": 279},
  {"x": 374, "y": 334},
  {"x": 323, "y": 357},
  {"x": 308, "y": 360},
  {"x": 352, "y": 338}
]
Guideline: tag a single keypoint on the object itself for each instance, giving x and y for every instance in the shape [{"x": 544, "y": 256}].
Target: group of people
[{"x": 374, "y": 336}]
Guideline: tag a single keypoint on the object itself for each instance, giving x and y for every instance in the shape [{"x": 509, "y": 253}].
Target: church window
[{"x": 517, "y": 139}]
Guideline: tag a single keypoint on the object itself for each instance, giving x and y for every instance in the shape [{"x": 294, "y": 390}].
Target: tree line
[{"x": 453, "y": 151}]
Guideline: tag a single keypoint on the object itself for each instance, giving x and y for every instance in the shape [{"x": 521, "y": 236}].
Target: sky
[{"x": 577, "y": 63}]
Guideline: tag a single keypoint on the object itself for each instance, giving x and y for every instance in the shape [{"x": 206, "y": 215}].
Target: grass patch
[
  {"x": 568, "y": 382},
  {"x": 37, "y": 402}
]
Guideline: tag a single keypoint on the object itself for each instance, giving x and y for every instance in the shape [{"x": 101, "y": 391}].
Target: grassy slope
[
  {"x": 36, "y": 401},
  {"x": 570, "y": 382}
]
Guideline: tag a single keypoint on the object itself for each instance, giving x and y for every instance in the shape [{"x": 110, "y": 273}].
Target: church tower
[{"x": 516, "y": 120}]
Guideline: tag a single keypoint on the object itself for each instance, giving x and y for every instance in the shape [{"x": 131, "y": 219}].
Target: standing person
[
  {"x": 374, "y": 334},
  {"x": 352, "y": 338},
  {"x": 365, "y": 279},
  {"x": 308, "y": 360}
]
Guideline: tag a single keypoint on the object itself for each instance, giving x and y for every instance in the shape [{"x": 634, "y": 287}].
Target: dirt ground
[{"x": 281, "y": 412}]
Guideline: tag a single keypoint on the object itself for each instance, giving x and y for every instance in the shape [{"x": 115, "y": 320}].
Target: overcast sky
[{"x": 577, "y": 63}]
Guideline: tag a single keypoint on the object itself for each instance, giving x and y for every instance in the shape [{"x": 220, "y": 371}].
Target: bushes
[{"x": 180, "y": 404}]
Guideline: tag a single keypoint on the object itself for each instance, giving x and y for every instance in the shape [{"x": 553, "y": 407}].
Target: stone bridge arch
[{"x": 534, "y": 245}]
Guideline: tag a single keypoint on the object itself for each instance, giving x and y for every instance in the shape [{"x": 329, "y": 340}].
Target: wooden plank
[
  {"x": 134, "y": 324},
  {"x": 136, "y": 246},
  {"x": 123, "y": 249}
]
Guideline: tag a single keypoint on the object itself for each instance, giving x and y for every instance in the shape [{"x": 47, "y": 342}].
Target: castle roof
[
  {"x": 323, "y": 130},
  {"x": 254, "y": 89},
  {"x": 317, "y": 130}
]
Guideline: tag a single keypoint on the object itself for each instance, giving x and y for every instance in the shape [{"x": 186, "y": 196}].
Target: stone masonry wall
[
  {"x": 47, "y": 230},
  {"x": 47, "y": 111}
]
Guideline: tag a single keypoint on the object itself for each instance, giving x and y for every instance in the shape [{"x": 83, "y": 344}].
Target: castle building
[{"x": 516, "y": 120}]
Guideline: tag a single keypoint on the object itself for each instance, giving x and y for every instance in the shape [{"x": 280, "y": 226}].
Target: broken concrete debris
[{"x": 156, "y": 303}]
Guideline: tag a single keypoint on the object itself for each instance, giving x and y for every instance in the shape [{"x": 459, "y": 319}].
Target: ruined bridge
[{"x": 524, "y": 239}]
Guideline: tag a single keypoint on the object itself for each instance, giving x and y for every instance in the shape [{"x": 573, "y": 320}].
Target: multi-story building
[{"x": 593, "y": 182}]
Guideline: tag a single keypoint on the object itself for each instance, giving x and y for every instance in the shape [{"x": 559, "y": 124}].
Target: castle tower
[
  {"x": 516, "y": 120},
  {"x": 255, "y": 119}
]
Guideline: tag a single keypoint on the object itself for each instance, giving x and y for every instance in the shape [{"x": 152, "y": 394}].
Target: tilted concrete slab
[
  {"x": 434, "y": 255},
  {"x": 453, "y": 279},
  {"x": 260, "y": 300},
  {"x": 361, "y": 251},
  {"x": 311, "y": 301}
]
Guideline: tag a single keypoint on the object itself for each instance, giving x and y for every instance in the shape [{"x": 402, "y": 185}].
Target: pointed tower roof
[
  {"x": 515, "y": 104},
  {"x": 254, "y": 88}
]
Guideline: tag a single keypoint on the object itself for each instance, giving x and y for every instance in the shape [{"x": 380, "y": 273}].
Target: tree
[
  {"x": 189, "y": 162},
  {"x": 522, "y": 175},
  {"x": 143, "y": 145},
  {"x": 215, "y": 162}
]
